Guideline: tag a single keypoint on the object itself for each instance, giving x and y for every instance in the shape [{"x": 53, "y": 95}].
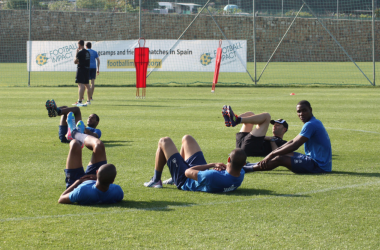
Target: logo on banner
[
  {"x": 206, "y": 59},
  {"x": 41, "y": 59}
]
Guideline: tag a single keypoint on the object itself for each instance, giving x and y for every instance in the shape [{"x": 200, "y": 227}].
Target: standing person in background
[
  {"x": 83, "y": 60},
  {"x": 94, "y": 69}
]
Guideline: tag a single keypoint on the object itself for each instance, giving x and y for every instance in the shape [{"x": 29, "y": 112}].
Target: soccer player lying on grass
[
  {"x": 95, "y": 185},
  {"x": 190, "y": 172},
  {"x": 92, "y": 121},
  {"x": 252, "y": 139},
  {"x": 318, "y": 158}
]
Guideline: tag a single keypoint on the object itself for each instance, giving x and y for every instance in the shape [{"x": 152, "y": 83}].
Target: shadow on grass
[
  {"x": 140, "y": 106},
  {"x": 111, "y": 144},
  {"x": 147, "y": 205},
  {"x": 355, "y": 174},
  {"x": 259, "y": 192}
]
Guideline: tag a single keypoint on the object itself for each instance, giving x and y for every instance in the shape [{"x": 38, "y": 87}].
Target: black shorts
[
  {"x": 82, "y": 76},
  {"x": 92, "y": 74},
  {"x": 252, "y": 145}
]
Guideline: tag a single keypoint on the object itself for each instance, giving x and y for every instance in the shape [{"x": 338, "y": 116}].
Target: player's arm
[
  {"x": 88, "y": 132},
  {"x": 65, "y": 196},
  {"x": 64, "y": 199},
  {"x": 97, "y": 59},
  {"x": 192, "y": 172},
  {"x": 290, "y": 146},
  {"x": 272, "y": 141}
]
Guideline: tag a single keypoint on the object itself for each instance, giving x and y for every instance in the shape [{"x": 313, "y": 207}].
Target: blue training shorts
[
  {"x": 303, "y": 164},
  {"x": 177, "y": 166},
  {"x": 62, "y": 132},
  {"x": 92, "y": 73},
  {"x": 74, "y": 174}
]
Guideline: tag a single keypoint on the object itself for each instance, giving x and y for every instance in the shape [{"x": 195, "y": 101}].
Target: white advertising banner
[{"x": 164, "y": 55}]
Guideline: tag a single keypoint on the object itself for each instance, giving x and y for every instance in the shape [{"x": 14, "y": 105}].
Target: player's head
[
  {"x": 81, "y": 43},
  {"x": 88, "y": 45},
  {"x": 237, "y": 159},
  {"x": 106, "y": 174},
  {"x": 93, "y": 121},
  {"x": 280, "y": 126},
  {"x": 304, "y": 111}
]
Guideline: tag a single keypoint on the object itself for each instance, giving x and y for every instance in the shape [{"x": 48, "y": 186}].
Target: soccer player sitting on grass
[
  {"x": 92, "y": 121},
  {"x": 252, "y": 139},
  {"x": 190, "y": 172},
  {"x": 318, "y": 158},
  {"x": 95, "y": 185}
]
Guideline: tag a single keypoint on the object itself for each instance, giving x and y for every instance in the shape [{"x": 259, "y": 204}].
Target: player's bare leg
[
  {"x": 88, "y": 87},
  {"x": 92, "y": 88},
  {"x": 65, "y": 110},
  {"x": 98, "y": 149},
  {"x": 166, "y": 148},
  {"x": 81, "y": 89},
  {"x": 74, "y": 158},
  {"x": 189, "y": 147},
  {"x": 281, "y": 160},
  {"x": 249, "y": 119}
]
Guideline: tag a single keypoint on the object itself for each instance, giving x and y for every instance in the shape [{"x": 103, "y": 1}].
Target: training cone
[{"x": 292, "y": 94}]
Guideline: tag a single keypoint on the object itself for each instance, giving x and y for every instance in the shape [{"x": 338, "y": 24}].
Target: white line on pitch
[
  {"x": 356, "y": 130},
  {"x": 191, "y": 205}
]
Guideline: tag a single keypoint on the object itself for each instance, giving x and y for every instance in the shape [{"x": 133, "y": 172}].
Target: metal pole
[
  {"x": 139, "y": 18},
  {"x": 254, "y": 40},
  {"x": 282, "y": 8},
  {"x": 373, "y": 42},
  {"x": 337, "y": 9},
  {"x": 30, "y": 41}
]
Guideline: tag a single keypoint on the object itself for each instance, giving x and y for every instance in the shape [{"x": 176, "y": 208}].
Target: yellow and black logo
[
  {"x": 205, "y": 59},
  {"x": 41, "y": 59}
]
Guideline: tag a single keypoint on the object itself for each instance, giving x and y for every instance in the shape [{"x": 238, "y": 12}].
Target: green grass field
[
  {"x": 271, "y": 210},
  {"x": 276, "y": 74}
]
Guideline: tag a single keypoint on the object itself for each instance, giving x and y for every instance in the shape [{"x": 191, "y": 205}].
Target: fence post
[
  {"x": 30, "y": 41},
  {"x": 139, "y": 18},
  {"x": 373, "y": 43},
  {"x": 254, "y": 39}
]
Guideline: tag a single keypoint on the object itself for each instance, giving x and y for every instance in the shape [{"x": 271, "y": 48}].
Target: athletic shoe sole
[
  {"x": 232, "y": 116},
  {"x": 70, "y": 124},
  {"x": 49, "y": 107},
  {"x": 226, "y": 116}
]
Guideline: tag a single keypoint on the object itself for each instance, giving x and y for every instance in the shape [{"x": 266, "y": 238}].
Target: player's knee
[
  {"x": 186, "y": 138},
  {"x": 98, "y": 145},
  {"x": 74, "y": 144},
  {"x": 267, "y": 116},
  {"x": 163, "y": 141}
]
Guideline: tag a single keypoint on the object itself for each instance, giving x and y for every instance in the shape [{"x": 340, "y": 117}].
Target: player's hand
[
  {"x": 76, "y": 61},
  {"x": 220, "y": 167},
  {"x": 88, "y": 177},
  {"x": 97, "y": 72}
]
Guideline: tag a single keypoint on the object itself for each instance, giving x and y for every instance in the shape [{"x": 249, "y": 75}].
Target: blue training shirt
[
  {"x": 96, "y": 131},
  {"x": 213, "y": 181},
  {"x": 93, "y": 56},
  {"x": 318, "y": 147},
  {"x": 87, "y": 194}
]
